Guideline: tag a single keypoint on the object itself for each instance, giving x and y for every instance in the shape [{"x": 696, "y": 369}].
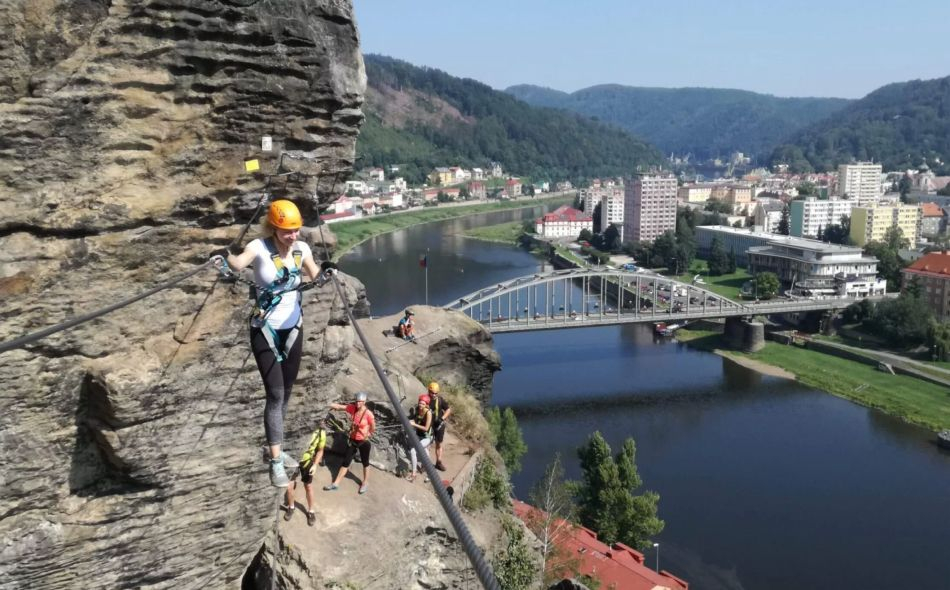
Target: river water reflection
[{"x": 763, "y": 483}]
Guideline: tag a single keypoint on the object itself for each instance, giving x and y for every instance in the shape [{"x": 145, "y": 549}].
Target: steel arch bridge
[{"x": 576, "y": 298}]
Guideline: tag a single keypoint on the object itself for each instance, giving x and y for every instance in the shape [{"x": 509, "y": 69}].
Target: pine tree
[
  {"x": 606, "y": 499},
  {"x": 718, "y": 261},
  {"x": 508, "y": 438},
  {"x": 783, "y": 224}
]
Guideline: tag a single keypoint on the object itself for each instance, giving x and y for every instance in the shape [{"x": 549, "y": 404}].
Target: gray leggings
[{"x": 278, "y": 379}]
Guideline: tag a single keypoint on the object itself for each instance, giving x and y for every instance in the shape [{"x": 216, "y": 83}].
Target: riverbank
[
  {"x": 349, "y": 234},
  {"x": 912, "y": 400}
]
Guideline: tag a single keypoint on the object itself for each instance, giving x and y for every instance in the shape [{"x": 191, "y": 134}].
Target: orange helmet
[
  {"x": 284, "y": 214},
  {"x": 434, "y": 387}
]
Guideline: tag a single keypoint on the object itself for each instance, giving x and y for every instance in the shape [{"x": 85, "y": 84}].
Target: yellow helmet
[
  {"x": 434, "y": 387},
  {"x": 283, "y": 214}
]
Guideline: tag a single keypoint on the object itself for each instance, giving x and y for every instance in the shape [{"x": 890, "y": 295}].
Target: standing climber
[
  {"x": 440, "y": 415},
  {"x": 276, "y": 325},
  {"x": 312, "y": 457},
  {"x": 420, "y": 418},
  {"x": 406, "y": 327},
  {"x": 362, "y": 427}
]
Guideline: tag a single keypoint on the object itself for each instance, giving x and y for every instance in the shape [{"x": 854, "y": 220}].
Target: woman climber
[{"x": 276, "y": 327}]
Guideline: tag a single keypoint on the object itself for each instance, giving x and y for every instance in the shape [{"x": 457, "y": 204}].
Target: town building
[
  {"x": 593, "y": 196},
  {"x": 611, "y": 210},
  {"x": 649, "y": 206},
  {"x": 809, "y": 268},
  {"x": 441, "y": 176},
  {"x": 768, "y": 215},
  {"x": 932, "y": 274},
  {"x": 357, "y": 187},
  {"x": 563, "y": 222},
  {"x": 377, "y": 174},
  {"x": 694, "y": 193},
  {"x": 809, "y": 216},
  {"x": 345, "y": 203},
  {"x": 860, "y": 182},
  {"x": 870, "y": 224},
  {"x": 477, "y": 190},
  {"x": 933, "y": 221},
  {"x": 513, "y": 188},
  {"x": 739, "y": 196},
  {"x": 613, "y": 566}
]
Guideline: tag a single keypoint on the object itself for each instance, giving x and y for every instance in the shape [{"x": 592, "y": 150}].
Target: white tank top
[{"x": 285, "y": 314}]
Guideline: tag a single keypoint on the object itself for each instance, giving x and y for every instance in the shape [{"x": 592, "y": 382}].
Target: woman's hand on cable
[{"x": 328, "y": 268}]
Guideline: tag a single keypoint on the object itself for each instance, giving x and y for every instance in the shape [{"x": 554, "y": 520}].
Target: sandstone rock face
[
  {"x": 116, "y": 114},
  {"x": 132, "y": 441}
]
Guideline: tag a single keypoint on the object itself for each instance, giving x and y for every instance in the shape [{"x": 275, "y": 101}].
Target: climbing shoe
[
  {"x": 289, "y": 514},
  {"x": 440, "y": 466},
  {"x": 311, "y": 518},
  {"x": 278, "y": 476},
  {"x": 363, "y": 489},
  {"x": 331, "y": 487},
  {"x": 289, "y": 463}
]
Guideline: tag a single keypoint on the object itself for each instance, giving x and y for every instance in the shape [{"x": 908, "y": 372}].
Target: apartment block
[
  {"x": 649, "y": 206},
  {"x": 611, "y": 210},
  {"x": 860, "y": 182},
  {"x": 870, "y": 224},
  {"x": 932, "y": 273},
  {"x": 807, "y": 217}
]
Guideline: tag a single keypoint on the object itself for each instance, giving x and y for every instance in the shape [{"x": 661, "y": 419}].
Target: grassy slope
[
  {"x": 351, "y": 233},
  {"x": 726, "y": 285},
  {"x": 506, "y": 233},
  {"x": 913, "y": 400}
]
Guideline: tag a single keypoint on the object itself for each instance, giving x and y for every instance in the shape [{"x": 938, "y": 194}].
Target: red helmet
[
  {"x": 425, "y": 398},
  {"x": 283, "y": 214}
]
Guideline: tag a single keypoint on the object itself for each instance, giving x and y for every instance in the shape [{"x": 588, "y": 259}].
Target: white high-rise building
[
  {"x": 808, "y": 216},
  {"x": 860, "y": 182},
  {"x": 649, "y": 207},
  {"x": 611, "y": 211}
]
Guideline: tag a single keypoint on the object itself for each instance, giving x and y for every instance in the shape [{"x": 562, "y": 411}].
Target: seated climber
[{"x": 406, "y": 327}]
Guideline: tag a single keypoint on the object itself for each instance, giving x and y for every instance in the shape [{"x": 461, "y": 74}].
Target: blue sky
[{"x": 841, "y": 48}]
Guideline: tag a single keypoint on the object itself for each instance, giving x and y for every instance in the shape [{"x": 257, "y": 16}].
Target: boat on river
[
  {"x": 943, "y": 439},
  {"x": 664, "y": 329}
]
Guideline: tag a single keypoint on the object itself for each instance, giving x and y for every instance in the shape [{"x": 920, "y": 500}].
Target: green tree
[
  {"x": 553, "y": 522},
  {"x": 766, "y": 285},
  {"x": 515, "y": 565},
  {"x": 913, "y": 288},
  {"x": 718, "y": 261},
  {"x": 905, "y": 186},
  {"x": 733, "y": 261},
  {"x": 904, "y": 321},
  {"x": 528, "y": 227},
  {"x": 807, "y": 189},
  {"x": 858, "y": 312},
  {"x": 585, "y": 235},
  {"x": 783, "y": 224},
  {"x": 596, "y": 215},
  {"x": 443, "y": 197},
  {"x": 606, "y": 499},
  {"x": 939, "y": 341},
  {"x": 464, "y": 193},
  {"x": 945, "y": 191},
  {"x": 507, "y": 437},
  {"x": 611, "y": 241}
]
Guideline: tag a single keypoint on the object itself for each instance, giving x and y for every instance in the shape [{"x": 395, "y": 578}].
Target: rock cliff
[{"x": 131, "y": 442}]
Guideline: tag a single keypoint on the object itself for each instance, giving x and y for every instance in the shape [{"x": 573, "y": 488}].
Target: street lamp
[{"x": 657, "y": 547}]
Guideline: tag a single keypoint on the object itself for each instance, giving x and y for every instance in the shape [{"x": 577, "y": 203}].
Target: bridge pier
[{"x": 744, "y": 334}]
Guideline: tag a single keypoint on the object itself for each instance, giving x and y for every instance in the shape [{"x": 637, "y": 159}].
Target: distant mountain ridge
[
  {"x": 420, "y": 118},
  {"x": 899, "y": 125},
  {"x": 706, "y": 122}
]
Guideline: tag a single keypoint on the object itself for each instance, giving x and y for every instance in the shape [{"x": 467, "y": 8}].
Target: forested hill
[
  {"x": 898, "y": 125},
  {"x": 420, "y": 118},
  {"x": 706, "y": 122}
]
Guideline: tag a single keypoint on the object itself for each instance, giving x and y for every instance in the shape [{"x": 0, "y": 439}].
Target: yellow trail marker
[{"x": 251, "y": 165}]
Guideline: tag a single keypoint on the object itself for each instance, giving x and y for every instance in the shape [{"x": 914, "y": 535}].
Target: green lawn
[
  {"x": 726, "y": 285},
  {"x": 506, "y": 233},
  {"x": 351, "y": 233},
  {"x": 913, "y": 400}
]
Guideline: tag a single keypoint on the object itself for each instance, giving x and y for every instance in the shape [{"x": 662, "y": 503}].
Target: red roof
[
  {"x": 931, "y": 210},
  {"x": 565, "y": 213},
  {"x": 512, "y": 182},
  {"x": 616, "y": 566},
  {"x": 934, "y": 264}
]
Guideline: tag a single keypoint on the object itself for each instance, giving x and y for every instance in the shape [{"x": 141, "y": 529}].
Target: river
[{"x": 763, "y": 483}]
